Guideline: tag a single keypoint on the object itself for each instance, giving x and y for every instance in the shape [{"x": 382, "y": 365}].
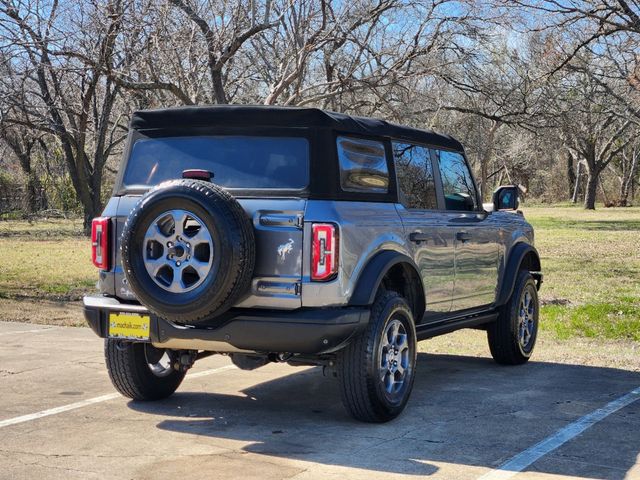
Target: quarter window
[
  {"x": 363, "y": 165},
  {"x": 415, "y": 176},
  {"x": 457, "y": 182}
]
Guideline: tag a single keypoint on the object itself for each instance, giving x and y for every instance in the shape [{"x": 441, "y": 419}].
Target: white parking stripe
[
  {"x": 524, "y": 459},
  {"x": 204, "y": 373},
  {"x": 56, "y": 410},
  {"x": 91, "y": 401},
  {"x": 35, "y": 330}
]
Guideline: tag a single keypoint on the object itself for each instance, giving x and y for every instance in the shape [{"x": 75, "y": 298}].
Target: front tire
[
  {"x": 377, "y": 369},
  {"x": 512, "y": 337},
  {"x": 140, "y": 371}
]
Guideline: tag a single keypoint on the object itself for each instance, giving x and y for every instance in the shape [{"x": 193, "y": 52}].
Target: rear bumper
[{"x": 306, "y": 331}]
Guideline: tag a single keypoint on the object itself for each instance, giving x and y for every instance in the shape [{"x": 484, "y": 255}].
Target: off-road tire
[
  {"x": 362, "y": 390},
  {"x": 504, "y": 335},
  {"x": 225, "y": 219},
  {"x": 131, "y": 375}
]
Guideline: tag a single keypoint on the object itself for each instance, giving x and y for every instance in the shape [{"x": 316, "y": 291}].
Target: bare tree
[
  {"x": 626, "y": 168},
  {"x": 593, "y": 129},
  {"x": 63, "y": 54}
]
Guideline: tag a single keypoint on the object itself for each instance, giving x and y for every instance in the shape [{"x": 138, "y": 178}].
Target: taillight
[
  {"x": 100, "y": 242},
  {"x": 324, "y": 251}
]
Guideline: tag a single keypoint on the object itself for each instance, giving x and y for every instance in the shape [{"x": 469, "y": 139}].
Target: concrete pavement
[{"x": 466, "y": 417}]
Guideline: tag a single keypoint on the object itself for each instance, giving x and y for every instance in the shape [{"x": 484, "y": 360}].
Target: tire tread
[
  {"x": 356, "y": 365},
  {"x": 131, "y": 376},
  {"x": 501, "y": 335}
]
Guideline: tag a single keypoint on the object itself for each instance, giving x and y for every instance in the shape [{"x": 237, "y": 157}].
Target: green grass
[
  {"x": 48, "y": 260},
  {"x": 591, "y": 262}
]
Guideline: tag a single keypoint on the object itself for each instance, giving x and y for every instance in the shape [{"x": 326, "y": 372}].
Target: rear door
[
  {"x": 475, "y": 238},
  {"x": 427, "y": 231}
]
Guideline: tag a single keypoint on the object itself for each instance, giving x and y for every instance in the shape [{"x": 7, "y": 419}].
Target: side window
[
  {"x": 363, "y": 165},
  {"x": 457, "y": 182},
  {"x": 415, "y": 176}
]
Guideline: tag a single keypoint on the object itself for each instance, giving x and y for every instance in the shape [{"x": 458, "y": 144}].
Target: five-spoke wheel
[
  {"x": 394, "y": 356},
  {"x": 178, "y": 251},
  {"x": 526, "y": 318}
]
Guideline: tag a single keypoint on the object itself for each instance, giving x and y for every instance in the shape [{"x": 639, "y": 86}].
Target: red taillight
[
  {"x": 197, "y": 174},
  {"x": 100, "y": 242},
  {"x": 324, "y": 251}
]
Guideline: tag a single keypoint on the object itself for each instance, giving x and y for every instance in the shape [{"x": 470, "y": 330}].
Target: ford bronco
[{"x": 303, "y": 236}]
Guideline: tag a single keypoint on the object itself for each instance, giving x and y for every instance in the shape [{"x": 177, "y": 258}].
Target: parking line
[
  {"x": 518, "y": 463},
  {"x": 92, "y": 401}
]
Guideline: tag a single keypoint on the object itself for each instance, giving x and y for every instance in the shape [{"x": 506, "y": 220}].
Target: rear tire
[
  {"x": 137, "y": 370},
  {"x": 373, "y": 388},
  {"x": 512, "y": 337}
]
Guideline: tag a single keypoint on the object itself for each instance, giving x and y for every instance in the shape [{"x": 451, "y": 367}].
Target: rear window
[{"x": 236, "y": 161}]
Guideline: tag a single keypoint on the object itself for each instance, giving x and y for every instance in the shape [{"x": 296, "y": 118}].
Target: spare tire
[{"x": 188, "y": 251}]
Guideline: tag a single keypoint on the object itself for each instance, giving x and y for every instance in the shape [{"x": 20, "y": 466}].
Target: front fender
[{"x": 521, "y": 255}]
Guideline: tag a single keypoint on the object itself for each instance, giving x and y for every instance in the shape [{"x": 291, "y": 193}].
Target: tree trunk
[
  {"x": 31, "y": 190},
  {"x": 576, "y": 187},
  {"x": 35, "y": 198},
  {"x": 571, "y": 176},
  {"x": 592, "y": 190},
  {"x": 628, "y": 180},
  {"x": 485, "y": 158}
]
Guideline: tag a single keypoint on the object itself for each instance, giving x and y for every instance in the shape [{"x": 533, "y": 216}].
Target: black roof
[{"x": 271, "y": 116}]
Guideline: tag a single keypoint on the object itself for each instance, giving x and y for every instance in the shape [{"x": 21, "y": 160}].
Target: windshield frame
[{"x": 121, "y": 189}]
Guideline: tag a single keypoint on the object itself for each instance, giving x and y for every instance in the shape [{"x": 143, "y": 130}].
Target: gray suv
[{"x": 303, "y": 236}]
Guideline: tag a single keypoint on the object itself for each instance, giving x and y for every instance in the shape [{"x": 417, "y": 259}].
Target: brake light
[
  {"x": 324, "y": 251},
  {"x": 100, "y": 242},
  {"x": 197, "y": 174}
]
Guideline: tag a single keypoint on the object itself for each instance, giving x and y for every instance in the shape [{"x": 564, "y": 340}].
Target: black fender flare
[
  {"x": 370, "y": 279},
  {"x": 521, "y": 254}
]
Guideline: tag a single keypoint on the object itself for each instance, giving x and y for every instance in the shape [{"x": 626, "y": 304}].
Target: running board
[{"x": 447, "y": 326}]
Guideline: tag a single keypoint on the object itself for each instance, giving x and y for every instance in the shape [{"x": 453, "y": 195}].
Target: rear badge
[{"x": 284, "y": 250}]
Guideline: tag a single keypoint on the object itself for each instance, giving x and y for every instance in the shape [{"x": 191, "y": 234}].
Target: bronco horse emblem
[{"x": 284, "y": 250}]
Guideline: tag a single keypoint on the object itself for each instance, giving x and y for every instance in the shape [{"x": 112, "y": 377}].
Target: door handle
[
  {"x": 418, "y": 237},
  {"x": 463, "y": 236}
]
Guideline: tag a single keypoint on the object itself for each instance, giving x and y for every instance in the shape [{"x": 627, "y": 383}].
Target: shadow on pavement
[{"x": 463, "y": 411}]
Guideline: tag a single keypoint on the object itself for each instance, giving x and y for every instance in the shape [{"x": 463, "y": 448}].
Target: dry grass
[
  {"x": 52, "y": 266},
  {"x": 45, "y": 268},
  {"x": 621, "y": 354},
  {"x": 41, "y": 228},
  {"x": 42, "y": 312},
  {"x": 591, "y": 262}
]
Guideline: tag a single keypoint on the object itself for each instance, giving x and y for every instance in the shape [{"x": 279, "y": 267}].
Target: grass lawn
[
  {"x": 591, "y": 262},
  {"x": 45, "y": 259}
]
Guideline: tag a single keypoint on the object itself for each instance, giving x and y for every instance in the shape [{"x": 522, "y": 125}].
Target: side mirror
[{"x": 506, "y": 198}]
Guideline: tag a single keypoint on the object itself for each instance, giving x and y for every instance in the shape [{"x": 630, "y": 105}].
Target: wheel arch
[
  {"x": 395, "y": 271},
  {"x": 522, "y": 256}
]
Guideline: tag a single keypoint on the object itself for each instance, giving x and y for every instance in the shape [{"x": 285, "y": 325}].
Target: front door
[
  {"x": 476, "y": 239},
  {"x": 429, "y": 238}
]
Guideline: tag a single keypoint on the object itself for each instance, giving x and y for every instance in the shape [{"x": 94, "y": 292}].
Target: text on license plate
[{"x": 132, "y": 326}]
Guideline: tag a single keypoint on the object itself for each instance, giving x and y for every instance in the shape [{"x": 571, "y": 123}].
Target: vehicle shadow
[{"x": 463, "y": 411}]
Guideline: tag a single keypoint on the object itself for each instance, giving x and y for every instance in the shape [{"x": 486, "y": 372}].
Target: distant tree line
[{"x": 543, "y": 93}]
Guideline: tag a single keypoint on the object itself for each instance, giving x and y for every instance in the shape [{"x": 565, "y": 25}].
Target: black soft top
[{"x": 270, "y": 116}]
